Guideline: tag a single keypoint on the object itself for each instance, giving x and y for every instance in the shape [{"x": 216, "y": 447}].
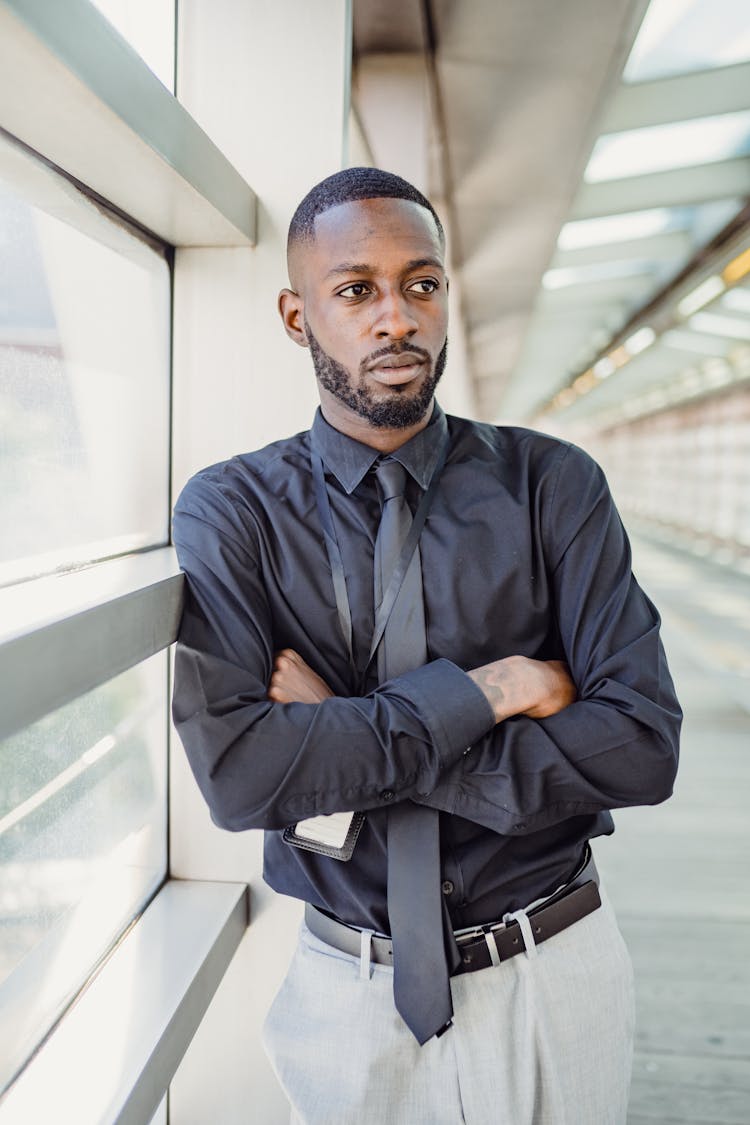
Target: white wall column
[
  {"x": 396, "y": 113},
  {"x": 269, "y": 84}
]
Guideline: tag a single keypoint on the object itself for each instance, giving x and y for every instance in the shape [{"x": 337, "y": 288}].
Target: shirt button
[
  {"x": 387, "y": 795},
  {"x": 448, "y": 887}
]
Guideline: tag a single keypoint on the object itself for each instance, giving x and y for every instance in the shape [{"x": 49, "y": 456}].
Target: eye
[
  {"x": 424, "y": 286},
  {"x": 356, "y": 289}
]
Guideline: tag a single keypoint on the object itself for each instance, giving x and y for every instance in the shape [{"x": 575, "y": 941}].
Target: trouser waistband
[{"x": 489, "y": 944}]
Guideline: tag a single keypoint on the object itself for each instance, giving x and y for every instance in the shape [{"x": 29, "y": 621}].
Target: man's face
[
  {"x": 374, "y": 310},
  {"x": 396, "y": 410}
]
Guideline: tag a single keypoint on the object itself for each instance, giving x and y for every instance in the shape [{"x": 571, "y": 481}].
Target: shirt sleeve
[
  {"x": 618, "y": 744},
  {"x": 261, "y": 764}
]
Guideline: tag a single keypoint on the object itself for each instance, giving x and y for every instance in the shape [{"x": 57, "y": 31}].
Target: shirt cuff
[{"x": 454, "y": 710}]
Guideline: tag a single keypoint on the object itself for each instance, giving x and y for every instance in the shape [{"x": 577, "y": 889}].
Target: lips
[{"x": 394, "y": 370}]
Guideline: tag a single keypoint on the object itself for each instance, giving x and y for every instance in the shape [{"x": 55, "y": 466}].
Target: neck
[{"x": 346, "y": 421}]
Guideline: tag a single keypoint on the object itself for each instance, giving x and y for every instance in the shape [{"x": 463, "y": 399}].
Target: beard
[{"x": 396, "y": 412}]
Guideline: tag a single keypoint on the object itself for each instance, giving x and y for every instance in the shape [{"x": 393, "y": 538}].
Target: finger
[{"x": 278, "y": 677}]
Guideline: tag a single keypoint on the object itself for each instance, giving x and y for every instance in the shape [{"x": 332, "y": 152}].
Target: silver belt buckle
[
  {"x": 486, "y": 932},
  {"x": 465, "y": 936}
]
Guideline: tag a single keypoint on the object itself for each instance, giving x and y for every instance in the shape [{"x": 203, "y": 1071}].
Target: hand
[
  {"x": 293, "y": 681},
  {"x": 556, "y": 686},
  {"x": 518, "y": 685}
]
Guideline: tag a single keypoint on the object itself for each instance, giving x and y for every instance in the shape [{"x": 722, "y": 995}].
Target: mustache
[{"x": 393, "y": 349}]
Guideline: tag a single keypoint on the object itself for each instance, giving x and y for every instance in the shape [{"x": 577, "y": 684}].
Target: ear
[{"x": 291, "y": 310}]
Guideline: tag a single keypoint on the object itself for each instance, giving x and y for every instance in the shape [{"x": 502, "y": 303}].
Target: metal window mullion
[
  {"x": 73, "y": 90},
  {"x": 47, "y": 666},
  {"x": 138, "y": 1015}
]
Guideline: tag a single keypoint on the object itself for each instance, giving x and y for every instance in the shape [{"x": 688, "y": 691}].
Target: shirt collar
[{"x": 350, "y": 460}]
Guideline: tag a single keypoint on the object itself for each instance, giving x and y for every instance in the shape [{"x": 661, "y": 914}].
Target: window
[
  {"x": 82, "y": 844},
  {"x": 149, "y": 28},
  {"x": 84, "y": 476},
  {"x": 103, "y": 173},
  {"x": 84, "y": 378}
]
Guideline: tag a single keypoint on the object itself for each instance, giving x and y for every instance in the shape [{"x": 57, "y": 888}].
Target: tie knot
[{"x": 391, "y": 478}]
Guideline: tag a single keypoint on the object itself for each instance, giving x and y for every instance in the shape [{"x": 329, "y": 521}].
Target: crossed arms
[
  {"x": 270, "y": 743},
  {"x": 515, "y": 685}
]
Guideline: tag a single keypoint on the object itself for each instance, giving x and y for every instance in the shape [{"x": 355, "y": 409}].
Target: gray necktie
[{"x": 421, "y": 986}]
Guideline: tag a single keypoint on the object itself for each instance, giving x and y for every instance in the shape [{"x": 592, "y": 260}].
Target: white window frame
[{"x": 78, "y": 95}]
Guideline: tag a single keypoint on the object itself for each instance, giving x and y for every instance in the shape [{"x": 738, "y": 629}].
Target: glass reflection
[
  {"x": 82, "y": 844},
  {"x": 84, "y": 383}
]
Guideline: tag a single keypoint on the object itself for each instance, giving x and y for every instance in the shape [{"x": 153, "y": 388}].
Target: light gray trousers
[{"x": 543, "y": 1039}]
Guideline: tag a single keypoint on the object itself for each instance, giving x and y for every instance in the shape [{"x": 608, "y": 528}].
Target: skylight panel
[
  {"x": 737, "y": 300},
  {"x": 562, "y": 277},
  {"x": 658, "y": 148},
  {"x": 619, "y": 228},
  {"x": 680, "y": 36},
  {"x": 713, "y": 323}
]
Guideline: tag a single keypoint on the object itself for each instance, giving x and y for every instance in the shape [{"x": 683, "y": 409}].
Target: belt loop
[
  {"x": 522, "y": 918},
  {"x": 365, "y": 967},
  {"x": 492, "y": 946}
]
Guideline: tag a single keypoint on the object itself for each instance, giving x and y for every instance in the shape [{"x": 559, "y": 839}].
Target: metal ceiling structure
[{"x": 590, "y": 157}]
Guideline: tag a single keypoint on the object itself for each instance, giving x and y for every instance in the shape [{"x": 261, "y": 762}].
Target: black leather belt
[{"x": 579, "y": 897}]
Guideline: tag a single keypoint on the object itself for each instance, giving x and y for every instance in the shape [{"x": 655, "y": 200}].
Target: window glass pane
[
  {"x": 82, "y": 844},
  {"x": 84, "y": 377},
  {"x": 148, "y": 26}
]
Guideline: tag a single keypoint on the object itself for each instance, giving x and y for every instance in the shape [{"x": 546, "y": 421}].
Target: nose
[{"x": 395, "y": 318}]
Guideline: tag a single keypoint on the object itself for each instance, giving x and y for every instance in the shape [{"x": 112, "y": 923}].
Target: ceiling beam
[
  {"x": 677, "y": 187},
  {"x": 656, "y": 248},
  {"x": 600, "y": 291},
  {"x": 680, "y": 98}
]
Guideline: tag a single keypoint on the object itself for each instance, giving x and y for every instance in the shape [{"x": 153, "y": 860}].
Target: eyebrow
[
  {"x": 420, "y": 263},
  {"x": 363, "y": 267},
  {"x": 349, "y": 267}
]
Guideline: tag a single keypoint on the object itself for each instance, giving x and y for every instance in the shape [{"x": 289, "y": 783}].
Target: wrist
[{"x": 502, "y": 683}]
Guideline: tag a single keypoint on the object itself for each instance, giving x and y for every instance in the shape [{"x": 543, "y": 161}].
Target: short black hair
[{"x": 347, "y": 186}]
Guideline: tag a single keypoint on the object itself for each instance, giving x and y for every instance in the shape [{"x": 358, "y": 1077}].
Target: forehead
[{"x": 376, "y": 232}]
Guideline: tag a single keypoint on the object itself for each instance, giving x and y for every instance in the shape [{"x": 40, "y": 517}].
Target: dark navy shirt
[{"x": 522, "y": 553}]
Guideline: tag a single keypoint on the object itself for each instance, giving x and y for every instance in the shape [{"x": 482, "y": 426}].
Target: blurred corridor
[{"x": 677, "y": 874}]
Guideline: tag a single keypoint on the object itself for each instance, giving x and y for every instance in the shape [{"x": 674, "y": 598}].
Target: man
[{"x": 541, "y": 700}]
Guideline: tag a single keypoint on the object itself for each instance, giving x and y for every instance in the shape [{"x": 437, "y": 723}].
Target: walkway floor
[{"x": 678, "y": 874}]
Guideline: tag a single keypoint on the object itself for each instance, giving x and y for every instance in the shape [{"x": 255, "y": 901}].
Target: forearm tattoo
[{"x": 494, "y": 680}]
